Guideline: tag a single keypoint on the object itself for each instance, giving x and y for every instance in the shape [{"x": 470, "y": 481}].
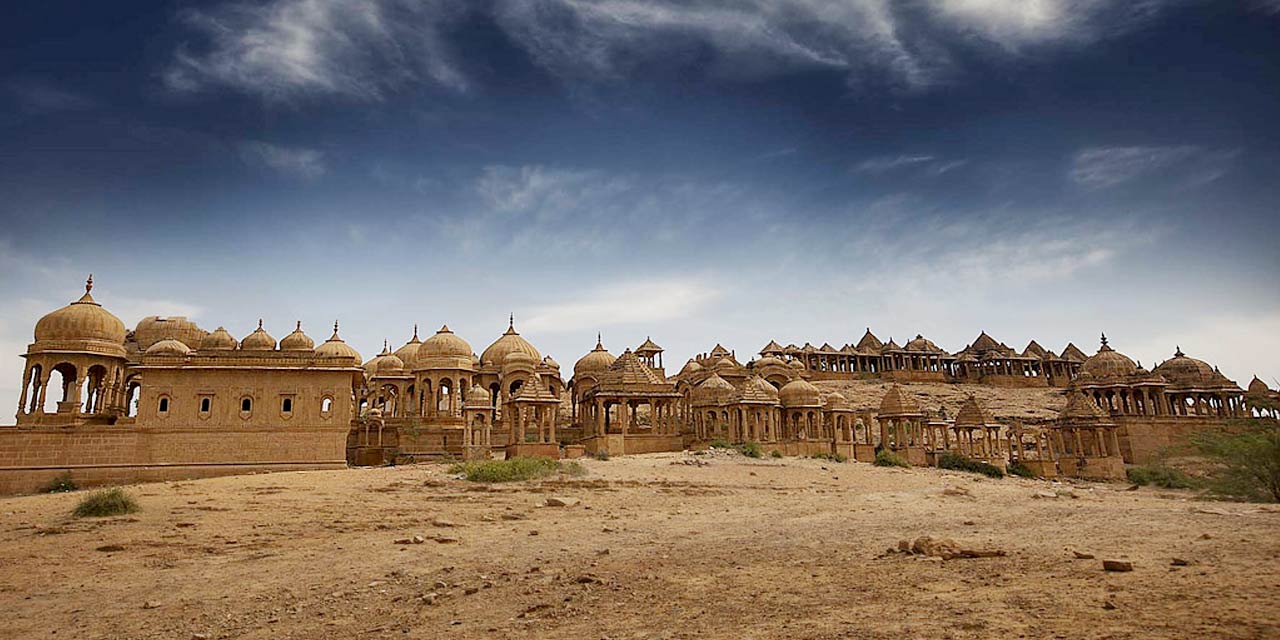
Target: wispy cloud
[
  {"x": 282, "y": 49},
  {"x": 618, "y": 303},
  {"x": 35, "y": 96},
  {"x": 1102, "y": 167},
  {"x": 889, "y": 163},
  {"x": 297, "y": 162}
]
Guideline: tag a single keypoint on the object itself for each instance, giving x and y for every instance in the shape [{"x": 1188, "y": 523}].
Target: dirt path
[{"x": 657, "y": 549}]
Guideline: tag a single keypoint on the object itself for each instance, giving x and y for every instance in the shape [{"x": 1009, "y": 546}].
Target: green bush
[
  {"x": 834, "y": 457},
  {"x": 887, "y": 458},
  {"x": 107, "y": 502},
  {"x": 513, "y": 470},
  {"x": 750, "y": 449},
  {"x": 956, "y": 462},
  {"x": 720, "y": 443},
  {"x": 775, "y": 454},
  {"x": 62, "y": 483},
  {"x": 1020, "y": 470},
  {"x": 1160, "y": 475},
  {"x": 1248, "y": 460}
]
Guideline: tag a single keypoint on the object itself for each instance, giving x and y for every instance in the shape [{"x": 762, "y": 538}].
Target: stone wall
[
  {"x": 97, "y": 455},
  {"x": 1143, "y": 438}
]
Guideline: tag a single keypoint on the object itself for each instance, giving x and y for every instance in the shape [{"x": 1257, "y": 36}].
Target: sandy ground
[{"x": 657, "y": 548}]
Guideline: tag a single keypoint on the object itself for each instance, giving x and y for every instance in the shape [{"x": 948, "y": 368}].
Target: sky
[{"x": 698, "y": 171}]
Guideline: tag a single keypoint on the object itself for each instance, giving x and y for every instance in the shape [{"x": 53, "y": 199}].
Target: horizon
[{"x": 694, "y": 171}]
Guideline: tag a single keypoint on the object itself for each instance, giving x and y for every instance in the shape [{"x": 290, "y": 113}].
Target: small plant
[
  {"x": 956, "y": 462},
  {"x": 834, "y": 457},
  {"x": 1160, "y": 475},
  {"x": 107, "y": 502},
  {"x": 775, "y": 454},
  {"x": 573, "y": 469},
  {"x": 720, "y": 443},
  {"x": 62, "y": 483},
  {"x": 602, "y": 455},
  {"x": 887, "y": 458},
  {"x": 1020, "y": 470},
  {"x": 750, "y": 449},
  {"x": 513, "y": 470},
  {"x": 1247, "y": 457}
]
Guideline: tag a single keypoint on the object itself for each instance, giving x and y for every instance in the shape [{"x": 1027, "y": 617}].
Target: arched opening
[
  {"x": 444, "y": 396},
  {"x": 326, "y": 405},
  {"x": 67, "y": 378},
  {"x": 33, "y": 390},
  {"x": 94, "y": 385},
  {"x": 132, "y": 391}
]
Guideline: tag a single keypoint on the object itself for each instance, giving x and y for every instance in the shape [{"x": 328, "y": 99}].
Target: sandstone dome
[
  {"x": 1185, "y": 371},
  {"x": 334, "y": 347},
  {"x": 409, "y": 351},
  {"x": 85, "y": 322},
  {"x": 297, "y": 341},
  {"x": 596, "y": 360},
  {"x": 259, "y": 340},
  {"x": 219, "y": 340},
  {"x": 168, "y": 347},
  {"x": 153, "y": 329},
  {"x": 510, "y": 342},
  {"x": 1108, "y": 363},
  {"x": 444, "y": 343},
  {"x": 800, "y": 393},
  {"x": 478, "y": 396},
  {"x": 690, "y": 367}
]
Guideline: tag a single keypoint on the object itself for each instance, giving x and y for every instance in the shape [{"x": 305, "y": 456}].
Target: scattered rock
[
  {"x": 1082, "y": 556},
  {"x": 413, "y": 540},
  {"x": 1205, "y": 536},
  {"x": 441, "y": 522},
  {"x": 588, "y": 579},
  {"x": 1109, "y": 605},
  {"x": 151, "y": 604},
  {"x": 561, "y": 501},
  {"x": 1179, "y": 562},
  {"x": 948, "y": 549},
  {"x": 956, "y": 491},
  {"x": 446, "y": 539},
  {"x": 514, "y": 516},
  {"x": 110, "y": 548},
  {"x": 1117, "y": 565},
  {"x": 1045, "y": 495}
]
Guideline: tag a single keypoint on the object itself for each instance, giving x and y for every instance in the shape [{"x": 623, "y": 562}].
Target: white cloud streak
[
  {"x": 1103, "y": 167},
  {"x": 636, "y": 302},
  {"x": 284, "y": 49},
  {"x": 297, "y": 162}
]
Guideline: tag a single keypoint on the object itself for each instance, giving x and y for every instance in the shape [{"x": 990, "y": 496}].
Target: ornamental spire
[{"x": 88, "y": 284}]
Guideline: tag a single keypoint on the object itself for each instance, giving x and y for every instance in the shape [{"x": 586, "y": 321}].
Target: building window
[
  {"x": 286, "y": 405},
  {"x": 246, "y": 405},
  {"x": 326, "y": 407},
  {"x": 205, "y": 405},
  {"x": 164, "y": 405}
]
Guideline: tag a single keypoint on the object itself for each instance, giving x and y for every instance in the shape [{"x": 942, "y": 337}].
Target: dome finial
[
  {"x": 415, "y": 331},
  {"x": 88, "y": 284},
  {"x": 298, "y": 327},
  {"x": 259, "y": 323},
  {"x": 1177, "y": 352},
  {"x": 335, "y": 327},
  {"x": 1104, "y": 338},
  {"x": 511, "y": 321},
  {"x": 599, "y": 341}
]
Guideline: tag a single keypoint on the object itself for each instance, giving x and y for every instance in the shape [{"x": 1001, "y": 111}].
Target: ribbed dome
[
  {"x": 596, "y": 360},
  {"x": 799, "y": 393},
  {"x": 1184, "y": 371},
  {"x": 714, "y": 389},
  {"x": 1108, "y": 363},
  {"x": 519, "y": 361},
  {"x": 334, "y": 347},
  {"x": 548, "y": 361},
  {"x": 837, "y": 402},
  {"x": 507, "y": 344},
  {"x": 82, "y": 321},
  {"x": 478, "y": 396},
  {"x": 297, "y": 341},
  {"x": 390, "y": 364},
  {"x": 921, "y": 343},
  {"x": 444, "y": 343},
  {"x": 153, "y": 329},
  {"x": 259, "y": 340},
  {"x": 1258, "y": 386},
  {"x": 219, "y": 340},
  {"x": 168, "y": 347},
  {"x": 1081, "y": 409},
  {"x": 757, "y": 389},
  {"x": 770, "y": 361},
  {"x": 896, "y": 403},
  {"x": 725, "y": 364},
  {"x": 796, "y": 364},
  {"x": 972, "y": 414},
  {"x": 690, "y": 367},
  {"x": 409, "y": 351}
]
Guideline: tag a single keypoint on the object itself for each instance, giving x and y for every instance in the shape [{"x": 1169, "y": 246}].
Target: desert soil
[{"x": 658, "y": 547}]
